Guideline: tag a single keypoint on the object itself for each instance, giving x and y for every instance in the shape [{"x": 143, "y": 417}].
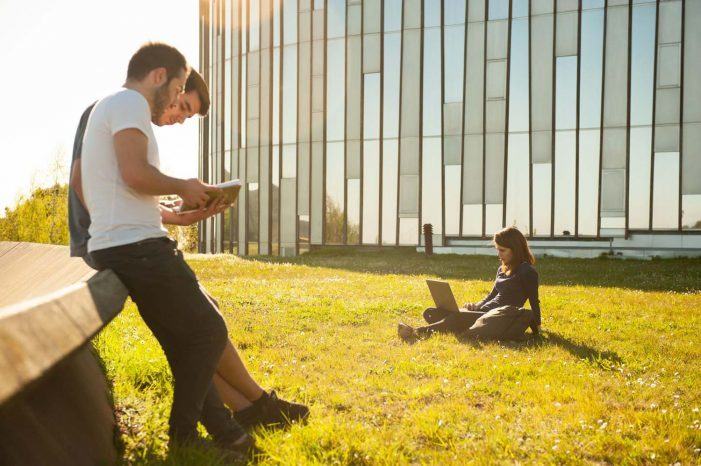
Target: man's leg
[{"x": 188, "y": 327}]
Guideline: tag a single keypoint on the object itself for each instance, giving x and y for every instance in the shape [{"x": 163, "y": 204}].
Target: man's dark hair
[
  {"x": 195, "y": 82},
  {"x": 156, "y": 55}
]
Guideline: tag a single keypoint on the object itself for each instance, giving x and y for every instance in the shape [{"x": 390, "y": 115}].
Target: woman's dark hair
[
  {"x": 156, "y": 55},
  {"x": 513, "y": 239},
  {"x": 195, "y": 82}
]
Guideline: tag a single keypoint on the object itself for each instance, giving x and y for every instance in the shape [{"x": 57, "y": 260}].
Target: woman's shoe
[
  {"x": 407, "y": 332},
  {"x": 272, "y": 412}
]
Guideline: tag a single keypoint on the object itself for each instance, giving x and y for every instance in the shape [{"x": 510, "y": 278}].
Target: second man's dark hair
[
  {"x": 156, "y": 55},
  {"x": 195, "y": 82}
]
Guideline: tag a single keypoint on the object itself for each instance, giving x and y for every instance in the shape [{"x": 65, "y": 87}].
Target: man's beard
[{"x": 160, "y": 103}]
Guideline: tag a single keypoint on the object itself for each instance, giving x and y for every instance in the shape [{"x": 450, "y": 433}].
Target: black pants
[
  {"x": 187, "y": 325},
  {"x": 447, "y": 321}
]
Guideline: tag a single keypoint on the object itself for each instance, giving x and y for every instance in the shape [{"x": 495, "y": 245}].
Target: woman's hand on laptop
[{"x": 471, "y": 306}]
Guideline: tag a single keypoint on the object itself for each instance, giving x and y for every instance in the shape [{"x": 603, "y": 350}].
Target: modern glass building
[{"x": 357, "y": 121}]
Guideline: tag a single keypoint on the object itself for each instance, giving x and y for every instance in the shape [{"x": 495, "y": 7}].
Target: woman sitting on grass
[{"x": 516, "y": 282}]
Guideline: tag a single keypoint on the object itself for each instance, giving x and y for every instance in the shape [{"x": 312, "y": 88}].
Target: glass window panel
[
  {"x": 392, "y": 56},
  {"x": 498, "y": 9},
  {"x": 614, "y": 148},
  {"x": 566, "y": 93},
  {"x": 371, "y": 108},
  {"x": 616, "y": 79},
  {"x": 496, "y": 116},
  {"x": 472, "y": 170},
  {"x": 276, "y": 23},
  {"x": 565, "y": 176},
  {"x": 390, "y": 168},
  {"x": 497, "y": 40},
  {"x": 334, "y": 193},
  {"x": 318, "y": 4},
  {"x": 452, "y": 115},
  {"x": 353, "y": 159},
  {"x": 691, "y": 159},
  {"x": 692, "y": 62},
  {"x": 275, "y": 201},
  {"x": 409, "y": 156},
  {"x": 432, "y": 83},
  {"x": 691, "y": 212},
  {"x": 670, "y": 21},
  {"x": 408, "y": 231},
  {"x": 432, "y": 13},
  {"x": 318, "y": 25},
  {"x": 588, "y": 4},
  {"x": 253, "y": 218},
  {"x": 371, "y": 191},
  {"x": 541, "y": 76},
  {"x": 289, "y": 14},
  {"x": 667, "y": 138},
  {"x": 335, "y": 90},
  {"x": 371, "y": 53},
  {"x": 393, "y": 15},
  {"x": 476, "y": 11},
  {"x": 667, "y": 105},
  {"x": 519, "y": 77},
  {"x": 567, "y": 5},
  {"x": 588, "y": 181},
  {"x": 254, "y": 25},
  {"x": 276, "y": 96},
  {"x": 496, "y": 79},
  {"x": 517, "y": 186},
  {"x": 252, "y": 164},
  {"x": 353, "y": 227},
  {"x": 371, "y": 16},
  {"x": 494, "y": 169},
  {"x": 317, "y": 195},
  {"x": 303, "y": 161},
  {"x": 472, "y": 220},
  {"x": 639, "y": 195},
  {"x": 412, "y": 14},
  {"x": 519, "y": 9},
  {"x": 336, "y": 19},
  {"x": 408, "y": 195},
  {"x": 454, "y": 63},
  {"x": 474, "y": 82},
  {"x": 642, "y": 65},
  {"x": 493, "y": 218},
  {"x": 542, "y": 182},
  {"x": 289, "y": 94},
  {"x": 668, "y": 72},
  {"x": 454, "y": 12},
  {"x": 591, "y": 68},
  {"x": 355, "y": 20},
  {"x": 289, "y": 161},
  {"x": 452, "y": 199},
  {"x": 431, "y": 184},
  {"x": 566, "y": 40},
  {"x": 242, "y": 103},
  {"x": 227, "y": 106},
  {"x": 253, "y": 101},
  {"x": 288, "y": 217},
  {"x": 411, "y": 82},
  {"x": 305, "y": 26},
  {"x": 452, "y": 150},
  {"x": 613, "y": 189},
  {"x": 665, "y": 203},
  {"x": 354, "y": 75}
]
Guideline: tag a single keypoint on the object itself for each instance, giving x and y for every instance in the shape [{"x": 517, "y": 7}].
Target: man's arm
[
  {"x": 77, "y": 183},
  {"x": 170, "y": 217},
  {"x": 131, "y": 147}
]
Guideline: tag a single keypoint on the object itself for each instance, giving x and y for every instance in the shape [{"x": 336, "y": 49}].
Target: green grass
[{"x": 615, "y": 379}]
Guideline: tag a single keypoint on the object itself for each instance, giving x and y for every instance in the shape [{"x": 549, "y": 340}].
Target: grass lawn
[{"x": 614, "y": 379}]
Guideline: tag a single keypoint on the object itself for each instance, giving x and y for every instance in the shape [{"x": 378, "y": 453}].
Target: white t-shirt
[{"x": 119, "y": 215}]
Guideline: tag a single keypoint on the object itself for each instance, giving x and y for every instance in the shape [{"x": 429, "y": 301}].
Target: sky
[{"x": 59, "y": 57}]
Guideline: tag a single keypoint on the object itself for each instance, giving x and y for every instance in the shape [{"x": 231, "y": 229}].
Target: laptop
[{"x": 442, "y": 295}]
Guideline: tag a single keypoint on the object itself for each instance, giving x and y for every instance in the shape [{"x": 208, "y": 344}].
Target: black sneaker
[{"x": 271, "y": 411}]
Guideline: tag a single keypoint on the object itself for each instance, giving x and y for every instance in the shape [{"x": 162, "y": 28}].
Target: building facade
[{"x": 355, "y": 122}]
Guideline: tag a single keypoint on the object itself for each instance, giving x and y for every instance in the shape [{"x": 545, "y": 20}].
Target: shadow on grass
[
  {"x": 679, "y": 275},
  {"x": 606, "y": 360}
]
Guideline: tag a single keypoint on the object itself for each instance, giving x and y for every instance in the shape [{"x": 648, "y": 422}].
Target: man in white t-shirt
[{"x": 121, "y": 183}]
